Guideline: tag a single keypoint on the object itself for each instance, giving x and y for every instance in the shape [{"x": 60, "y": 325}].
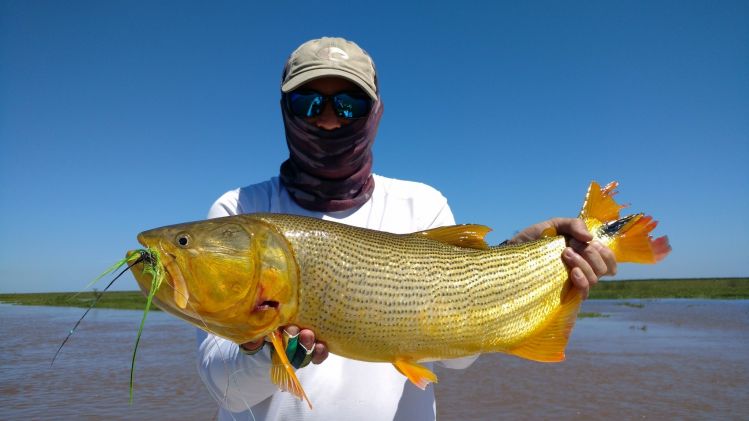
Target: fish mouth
[{"x": 168, "y": 262}]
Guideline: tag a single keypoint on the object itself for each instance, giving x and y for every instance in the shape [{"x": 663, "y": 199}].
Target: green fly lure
[{"x": 151, "y": 266}]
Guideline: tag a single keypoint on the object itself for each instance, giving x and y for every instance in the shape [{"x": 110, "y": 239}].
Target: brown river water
[{"x": 674, "y": 359}]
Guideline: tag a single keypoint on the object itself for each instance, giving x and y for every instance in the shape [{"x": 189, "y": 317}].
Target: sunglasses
[{"x": 348, "y": 105}]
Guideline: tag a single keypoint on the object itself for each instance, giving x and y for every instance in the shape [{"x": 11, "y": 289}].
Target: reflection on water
[{"x": 669, "y": 358}]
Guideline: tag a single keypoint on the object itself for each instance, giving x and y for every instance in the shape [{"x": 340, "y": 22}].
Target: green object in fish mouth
[{"x": 152, "y": 266}]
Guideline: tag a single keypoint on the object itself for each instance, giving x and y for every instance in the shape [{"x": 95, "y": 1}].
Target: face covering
[{"x": 329, "y": 170}]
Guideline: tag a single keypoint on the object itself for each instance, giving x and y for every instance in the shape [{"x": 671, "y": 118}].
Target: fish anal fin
[
  {"x": 600, "y": 204},
  {"x": 547, "y": 344},
  {"x": 467, "y": 235},
  {"x": 282, "y": 373},
  {"x": 419, "y": 375}
]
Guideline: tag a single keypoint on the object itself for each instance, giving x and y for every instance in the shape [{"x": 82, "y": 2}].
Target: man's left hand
[{"x": 587, "y": 259}]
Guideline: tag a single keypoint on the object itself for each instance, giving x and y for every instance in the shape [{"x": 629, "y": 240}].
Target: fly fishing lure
[{"x": 152, "y": 267}]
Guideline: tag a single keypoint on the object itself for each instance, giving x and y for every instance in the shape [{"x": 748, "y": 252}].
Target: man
[{"x": 331, "y": 108}]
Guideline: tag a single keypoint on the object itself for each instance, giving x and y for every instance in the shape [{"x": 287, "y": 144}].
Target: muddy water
[
  {"x": 684, "y": 359},
  {"x": 89, "y": 379}
]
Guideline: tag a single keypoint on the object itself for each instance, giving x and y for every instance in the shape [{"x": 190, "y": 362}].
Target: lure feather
[{"x": 154, "y": 269}]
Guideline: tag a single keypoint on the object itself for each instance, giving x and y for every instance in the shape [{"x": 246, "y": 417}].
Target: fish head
[{"x": 235, "y": 277}]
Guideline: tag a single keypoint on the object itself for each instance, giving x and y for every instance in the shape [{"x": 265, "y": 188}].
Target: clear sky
[{"x": 119, "y": 116}]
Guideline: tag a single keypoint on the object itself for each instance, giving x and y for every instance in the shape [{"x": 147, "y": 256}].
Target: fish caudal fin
[
  {"x": 633, "y": 243},
  {"x": 629, "y": 237},
  {"x": 282, "y": 373},
  {"x": 548, "y": 342},
  {"x": 419, "y": 375}
]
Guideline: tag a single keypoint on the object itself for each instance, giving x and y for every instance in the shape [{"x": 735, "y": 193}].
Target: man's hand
[
  {"x": 588, "y": 260},
  {"x": 306, "y": 338}
]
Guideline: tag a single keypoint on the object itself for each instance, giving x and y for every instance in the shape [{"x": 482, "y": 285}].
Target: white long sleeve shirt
[{"x": 339, "y": 388}]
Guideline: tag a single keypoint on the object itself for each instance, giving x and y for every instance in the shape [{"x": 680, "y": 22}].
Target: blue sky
[{"x": 117, "y": 117}]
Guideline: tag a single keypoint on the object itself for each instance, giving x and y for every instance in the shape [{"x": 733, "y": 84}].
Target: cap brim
[{"x": 309, "y": 75}]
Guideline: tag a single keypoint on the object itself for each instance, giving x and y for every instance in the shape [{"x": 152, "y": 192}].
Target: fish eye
[{"x": 183, "y": 239}]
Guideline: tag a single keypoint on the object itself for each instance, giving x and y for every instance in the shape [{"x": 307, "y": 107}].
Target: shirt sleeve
[
  {"x": 235, "y": 380},
  {"x": 444, "y": 217},
  {"x": 226, "y": 205}
]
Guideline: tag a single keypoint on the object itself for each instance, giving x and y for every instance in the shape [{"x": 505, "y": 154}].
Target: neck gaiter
[{"x": 330, "y": 170}]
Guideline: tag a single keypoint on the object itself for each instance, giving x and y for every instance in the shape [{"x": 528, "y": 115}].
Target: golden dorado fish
[{"x": 376, "y": 296}]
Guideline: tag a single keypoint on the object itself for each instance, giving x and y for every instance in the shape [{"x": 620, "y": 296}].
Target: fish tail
[
  {"x": 599, "y": 205},
  {"x": 628, "y": 237}
]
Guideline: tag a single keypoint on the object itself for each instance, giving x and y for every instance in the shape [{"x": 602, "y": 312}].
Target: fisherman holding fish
[{"x": 331, "y": 108}]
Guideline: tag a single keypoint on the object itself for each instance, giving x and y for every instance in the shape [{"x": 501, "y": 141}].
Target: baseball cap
[{"x": 330, "y": 57}]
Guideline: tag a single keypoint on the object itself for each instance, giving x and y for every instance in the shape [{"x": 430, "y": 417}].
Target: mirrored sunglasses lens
[
  {"x": 305, "y": 104},
  {"x": 350, "y": 106}
]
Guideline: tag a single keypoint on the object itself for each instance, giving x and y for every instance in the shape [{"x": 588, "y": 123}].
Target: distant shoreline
[{"x": 703, "y": 288}]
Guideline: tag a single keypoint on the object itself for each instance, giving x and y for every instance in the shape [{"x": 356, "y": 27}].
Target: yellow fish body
[{"x": 376, "y": 296}]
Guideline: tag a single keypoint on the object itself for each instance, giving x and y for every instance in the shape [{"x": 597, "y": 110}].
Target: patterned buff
[{"x": 330, "y": 170}]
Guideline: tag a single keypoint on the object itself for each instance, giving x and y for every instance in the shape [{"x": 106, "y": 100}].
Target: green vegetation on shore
[
  {"x": 708, "y": 288},
  {"x": 723, "y": 288},
  {"x": 123, "y": 300},
  {"x": 590, "y": 315}
]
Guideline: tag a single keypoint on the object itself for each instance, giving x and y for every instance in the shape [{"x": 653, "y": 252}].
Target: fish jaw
[
  {"x": 141, "y": 275},
  {"x": 181, "y": 293},
  {"x": 172, "y": 294}
]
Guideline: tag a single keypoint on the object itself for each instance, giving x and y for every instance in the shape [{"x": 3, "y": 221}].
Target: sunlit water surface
[{"x": 686, "y": 359}]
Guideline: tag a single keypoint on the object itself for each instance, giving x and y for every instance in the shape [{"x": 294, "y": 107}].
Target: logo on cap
[{"x": 332, "y": 54}]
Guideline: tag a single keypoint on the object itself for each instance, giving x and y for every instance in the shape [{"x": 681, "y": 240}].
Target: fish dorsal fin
[
  {"x": 548, "y": 342},
  {"x": 282, "y": 373},
  {"x": 466, "y": 235},
  {"x": 600, "y": 204}
]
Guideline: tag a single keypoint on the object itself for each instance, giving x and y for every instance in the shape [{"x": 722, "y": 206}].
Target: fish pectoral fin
[
  {"x": 419, "y": 375},
  {"x": 547, "y": 344},
  {"x": 282, "y": 373},
  {"x": 467, "y": 235}
]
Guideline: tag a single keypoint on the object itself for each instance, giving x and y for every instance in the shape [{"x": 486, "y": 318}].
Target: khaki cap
[{"x": 330, "y": 57}]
